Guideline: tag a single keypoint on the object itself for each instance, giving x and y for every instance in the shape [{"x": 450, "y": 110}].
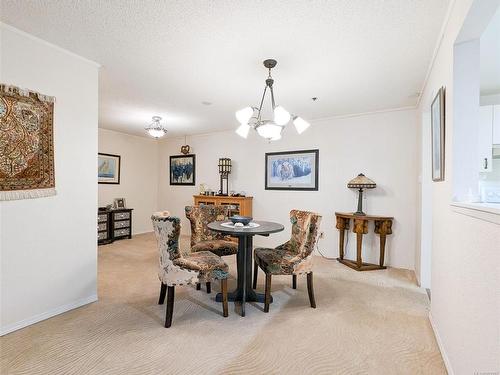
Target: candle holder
[{"x": 224, "y": 171}]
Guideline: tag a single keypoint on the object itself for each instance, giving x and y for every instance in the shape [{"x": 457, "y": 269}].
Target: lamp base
[{"x": 359, "y": 211}]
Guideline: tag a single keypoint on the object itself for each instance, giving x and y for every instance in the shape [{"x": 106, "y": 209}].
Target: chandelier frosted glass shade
[
  {"x": 270, "y": 131},
  {"x": 244, "y": 115},
  {"x": 281, "y": 115},
  {"x": 156, "y": 133},
  {"x": 300, "y": 124},
  {"x": 156, "y": 129},
  {"x": 243, "y": 130}
]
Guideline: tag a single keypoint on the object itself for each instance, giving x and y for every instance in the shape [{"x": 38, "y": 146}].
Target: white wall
[
  {"x": 383, "y": 146},
  {"x": 48, "y": 245},
  {"x": 465, "y": 305},
  {"x": 138, "y": 176}
]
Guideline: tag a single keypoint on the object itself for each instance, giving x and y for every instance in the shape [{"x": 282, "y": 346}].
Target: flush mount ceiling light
[
  {"x": 251, "y": 117},
  {"x": 156, "y": 129}
]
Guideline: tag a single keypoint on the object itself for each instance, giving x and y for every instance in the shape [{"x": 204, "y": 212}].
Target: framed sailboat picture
[{"x": 108, "y": 169}]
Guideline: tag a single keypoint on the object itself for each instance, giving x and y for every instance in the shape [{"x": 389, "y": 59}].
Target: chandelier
[
  {"x": 251, "y": 117},
  {"x": 156, "y": 129}
]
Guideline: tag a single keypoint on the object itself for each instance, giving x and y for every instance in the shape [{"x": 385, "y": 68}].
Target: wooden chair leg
[
  {"x": 163, "y": 291},
  {"x": 209, "y": 288},
  {"x": 294, "y": 281},
  {"x": 223, "y": 285},
  {"x": 170, "y": 306},
  {"x": 310, "y": 290},
  {"x": 267, "y": 296},
  {"x": 198, "y": 286},
  {"x": 255, "y": 272}
]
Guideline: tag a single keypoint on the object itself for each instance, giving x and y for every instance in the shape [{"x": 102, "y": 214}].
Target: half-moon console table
[{"x": 383, "y": 227}]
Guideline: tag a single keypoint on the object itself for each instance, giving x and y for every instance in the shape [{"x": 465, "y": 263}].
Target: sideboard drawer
[
  {"x": 102, "y": 218},
  {"x": 102, "y": 236},
  {"x": 121, "y": 215},
  {"x": 121, "y": 224},
  {"x": 102, "y": 226},
  {"x": 122, "y": 232}
]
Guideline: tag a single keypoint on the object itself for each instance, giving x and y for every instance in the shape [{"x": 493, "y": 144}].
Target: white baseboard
[
  {"x": 142, "y": 232},
  {"x": 48, "y": 314},
  {"x": 446, "y": 360}
]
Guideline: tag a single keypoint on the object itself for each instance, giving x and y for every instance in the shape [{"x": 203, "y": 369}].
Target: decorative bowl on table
[{"x": 240, "y": 219}]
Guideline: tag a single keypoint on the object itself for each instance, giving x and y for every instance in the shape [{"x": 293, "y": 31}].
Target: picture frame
[
  {"x": 438, "y": 135},
  {"x": 108, "y": 168},
  {"x": 292, "y": 170},
  {"x": 119, "y": 203},
  {"x": 182, "y": 170}
]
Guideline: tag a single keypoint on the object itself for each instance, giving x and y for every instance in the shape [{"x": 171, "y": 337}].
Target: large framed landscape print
[
  {"x": 183, "y": 169},
  {"x": 108, "y": 169},
  {"x": 292, "y": 170}
]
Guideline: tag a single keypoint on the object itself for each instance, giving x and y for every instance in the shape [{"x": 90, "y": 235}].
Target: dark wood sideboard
[{"x": 114, "y": 225}]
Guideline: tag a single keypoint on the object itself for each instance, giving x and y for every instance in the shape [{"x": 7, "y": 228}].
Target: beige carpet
[{"x": 366, "y": 323}]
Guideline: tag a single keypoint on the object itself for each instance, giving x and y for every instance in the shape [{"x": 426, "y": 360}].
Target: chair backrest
[
  {"x": 167, "y": 230},
  {"x": 200, "y": 217},
  {"x": 305, "y": 231}
]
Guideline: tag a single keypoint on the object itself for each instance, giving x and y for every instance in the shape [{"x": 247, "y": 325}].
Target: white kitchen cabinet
[
  {"x": 485, "y": 138},
  {"x": 496, "y": 125}
]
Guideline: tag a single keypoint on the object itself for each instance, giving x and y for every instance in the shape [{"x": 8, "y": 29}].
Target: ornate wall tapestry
[{"x": 26, "y": 144}]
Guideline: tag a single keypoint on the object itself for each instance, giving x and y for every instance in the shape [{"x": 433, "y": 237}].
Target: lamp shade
[
  {"x": 243, "y": 130},
  {"x": 361, "y": 182},
  {"x": 281, "y": 115},
  {"x": 270, "y": 131},
  {"x": 300, "y": 124},
  {"x": 244, "y": 115}
]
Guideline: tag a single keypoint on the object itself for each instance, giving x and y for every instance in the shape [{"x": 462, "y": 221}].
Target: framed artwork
[
  {"x": 183, "y": 169},
  {"x": 119, "y": 203},
  {"x": 292, "y": 170},
  {"x": 438, "y": 134},
  {"x": 108, "y": 169}
]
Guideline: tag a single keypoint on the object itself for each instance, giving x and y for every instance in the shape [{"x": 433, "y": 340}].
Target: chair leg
[
  {"x": 294, "y": 281},
  {"x": 267, "y": 296},
  {"x": 209, "y": 288},
  {"x": 198, "y": 286},
  {"x": 223, "y": 285},
  {"x": 170, "y": 306},
  {"x": 310, "y": 289},
  {"x": 163, "y": 291},
  {"x": 255, "y": 272}
]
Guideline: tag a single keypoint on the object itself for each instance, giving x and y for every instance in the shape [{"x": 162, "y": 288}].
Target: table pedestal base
[
  {"x": 364, "y": 266},
  {"x": 237, "y": 296}
]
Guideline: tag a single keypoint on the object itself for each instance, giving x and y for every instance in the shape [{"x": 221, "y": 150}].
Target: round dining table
[{"x": 244, "y": 292}]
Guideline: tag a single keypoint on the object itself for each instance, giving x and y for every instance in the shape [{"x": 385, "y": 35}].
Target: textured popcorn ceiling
[{"x": 167, "y": 57}]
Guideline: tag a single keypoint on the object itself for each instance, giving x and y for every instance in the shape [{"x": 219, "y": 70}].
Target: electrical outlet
[{"x": 321, "y": 234}]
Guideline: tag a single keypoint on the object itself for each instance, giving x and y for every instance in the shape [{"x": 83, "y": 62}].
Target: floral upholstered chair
[
  {"x": 178, "y": 269},
  {"x": 204, "y": 239},
  {"x": 294, "y": 257}
]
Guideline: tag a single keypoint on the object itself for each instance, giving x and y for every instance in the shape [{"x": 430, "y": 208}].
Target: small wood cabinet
[
  {"x": 238, "y": 205},
  {"x": 114, "y": 225}
]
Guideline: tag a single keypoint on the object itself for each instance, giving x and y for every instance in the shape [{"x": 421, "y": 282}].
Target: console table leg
[
  {"x": 359, "y": 243},
  {"x": 341, "y": 243},
  {"x": 382, "y": 250}
]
